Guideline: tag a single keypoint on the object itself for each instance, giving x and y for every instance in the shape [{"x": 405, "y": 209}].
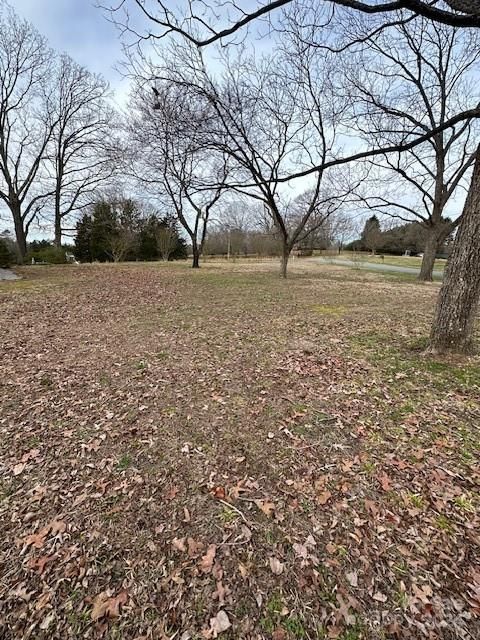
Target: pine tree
[{"x": 83, "y": 239}]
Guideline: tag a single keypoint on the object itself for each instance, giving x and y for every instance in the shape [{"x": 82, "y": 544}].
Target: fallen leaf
[
  {"x": 206, "y": 562},
  {"x": 352, "y": 578},
  {"x": 219, "y": 623},
  {"x": 105, "y": 606},
  {"x": 46, "y": 622},
  {"x": 279, "y": 634},
  {"x": 179, "y": 544},
  {"x": 384, "y": 481},
  {"x": 379, "y": 597},
  {"x": 38, "y": 564},
  {"x": 57, "y": 526},
  {"x": 19, "y": 468},
  {"x": 268, "y": 508},
  {"x": 276, "y": 566},
  {"x": 219, "y": 493},
  {"x": 324, "y": 497}
]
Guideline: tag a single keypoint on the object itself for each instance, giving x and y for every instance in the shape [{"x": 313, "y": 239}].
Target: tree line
[{"x": 119, "y": 230}]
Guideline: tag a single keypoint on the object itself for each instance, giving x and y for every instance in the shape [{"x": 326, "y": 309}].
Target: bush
[
  {"x": 45, "y": 252},
  {"x": 7, "y": 257}
]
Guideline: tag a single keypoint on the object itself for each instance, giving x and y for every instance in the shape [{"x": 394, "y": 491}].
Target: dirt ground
[{"x": 220, "y": 453}]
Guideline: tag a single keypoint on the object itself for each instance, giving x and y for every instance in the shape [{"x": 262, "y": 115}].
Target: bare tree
[
  {"x": 166, "y": 240},
  {"x": 120, "y": 243},
  {"x": 80, "y": 158},
  {"x": 209, "y": 22},
  {"x": 26, "y": 120},
  {"x": 270, "y": 117},
  {"x": 171, "y": 157},
  {"x": 416, "y": 76}
]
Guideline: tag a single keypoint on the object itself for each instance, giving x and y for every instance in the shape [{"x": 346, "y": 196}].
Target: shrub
[
  {"x": 47, "y": 253},
  {"x": 6, "y": 255}
]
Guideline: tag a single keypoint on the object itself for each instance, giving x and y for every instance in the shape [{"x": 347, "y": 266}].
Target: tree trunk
[
  {"x": 452, "y": 328},
  {"x": 284, "y": 260},
  {"x": 58, "y": 233},
  {"x": 196, "y": 257},
  {"x": 57, "y": 241},
  {"x": 429, "y": 253},
  {"x": 19, "y": 232}
]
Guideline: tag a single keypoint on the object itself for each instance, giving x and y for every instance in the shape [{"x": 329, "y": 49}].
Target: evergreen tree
[
  {"x": 371, "y": 234},
  {"x": 104, "y": 226},
  {"x": 6, "y": 257},
  {"x": 83, "y": 239}
]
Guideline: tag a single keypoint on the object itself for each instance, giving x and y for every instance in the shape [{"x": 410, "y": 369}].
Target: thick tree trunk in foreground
[{"x": 452, "y": 328}]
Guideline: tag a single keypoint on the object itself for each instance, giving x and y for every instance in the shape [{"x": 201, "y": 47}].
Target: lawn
[
  {"x": 192, "y": 454},
  {"x": 398, "y": 261}
]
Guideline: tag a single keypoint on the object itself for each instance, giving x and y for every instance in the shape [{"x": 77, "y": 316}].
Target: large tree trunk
[
  {"x": 285, "y": 255},
  {"x": 58, "y": 232},
  {"x": 19, "y": 232},
  {"x": 429, "y": 253},
  {"x": 57, "y": 241},
  {"x": 458, "y": 300}
]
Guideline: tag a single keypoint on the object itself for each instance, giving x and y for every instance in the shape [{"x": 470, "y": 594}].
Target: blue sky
[{"x": 80, "y": 29}]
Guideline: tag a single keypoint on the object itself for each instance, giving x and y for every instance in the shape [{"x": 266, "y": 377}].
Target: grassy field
[
  {"x": 400, "y": 261},
  {"x": 192, "y": 454}
]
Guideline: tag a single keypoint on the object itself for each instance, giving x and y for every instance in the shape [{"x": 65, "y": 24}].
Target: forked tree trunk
[{"x": 452, "y": 328}]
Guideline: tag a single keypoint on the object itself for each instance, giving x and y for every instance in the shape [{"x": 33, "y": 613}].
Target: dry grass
[{"x": 175, "y": 444}]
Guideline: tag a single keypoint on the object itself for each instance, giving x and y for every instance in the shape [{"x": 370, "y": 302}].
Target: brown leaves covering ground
[{"x": 223, "y": 454}]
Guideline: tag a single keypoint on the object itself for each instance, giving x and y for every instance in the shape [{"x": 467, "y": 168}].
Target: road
[
  {"x": 6, "y": 274},
  {"x": 375, "y": 266}
]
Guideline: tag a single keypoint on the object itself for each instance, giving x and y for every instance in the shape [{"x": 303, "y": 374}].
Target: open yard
[{"x": 192, "y": 454}]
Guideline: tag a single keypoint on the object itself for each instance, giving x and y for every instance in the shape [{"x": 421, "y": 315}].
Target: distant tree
[
  {"x": 147, "y": 240},
  {"x": 83, "y": 238},
  {"x": 166, "y": 241},
  {"x": 26, "y": 120},
  {"x": 79, "y": 156},
  {"x": 103, "y": 228},
  {"x": 371, "y": 234},
  {"x": 120, "y": 243}
]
